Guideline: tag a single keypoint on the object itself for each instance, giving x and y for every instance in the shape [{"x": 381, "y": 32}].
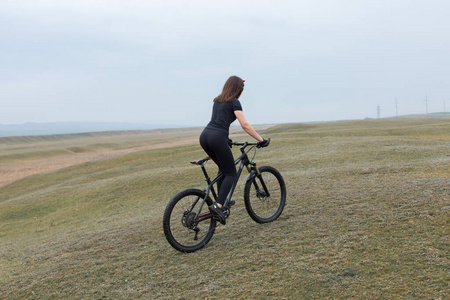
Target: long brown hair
[{"x": 231, "y": 90}]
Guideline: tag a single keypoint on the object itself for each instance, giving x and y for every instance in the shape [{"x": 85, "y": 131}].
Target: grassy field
[
  {"x": 26, "y": 155},
  {"x": 367, "y": 216}
]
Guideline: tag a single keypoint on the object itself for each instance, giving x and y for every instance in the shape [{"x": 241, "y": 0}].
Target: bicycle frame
[{"x": 244, "y": 163}]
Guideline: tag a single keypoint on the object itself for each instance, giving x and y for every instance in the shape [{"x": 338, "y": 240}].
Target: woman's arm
[{"x": 246, "y": 126}]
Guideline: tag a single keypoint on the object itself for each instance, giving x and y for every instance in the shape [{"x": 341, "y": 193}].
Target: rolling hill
[{"x": 367, "y": 216}]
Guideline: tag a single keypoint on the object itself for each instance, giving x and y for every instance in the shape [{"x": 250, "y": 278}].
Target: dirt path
[{"x": 15, "y": 171}]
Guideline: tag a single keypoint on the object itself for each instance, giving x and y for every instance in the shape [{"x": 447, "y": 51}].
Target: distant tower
[
  {"x": 426, "y": 104},
  {"x": 378, "y": 112},
  {"x": 396, "y": 106}
]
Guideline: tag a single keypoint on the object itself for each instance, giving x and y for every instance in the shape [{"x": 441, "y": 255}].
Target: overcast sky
[{"x": 163, "y": 62}]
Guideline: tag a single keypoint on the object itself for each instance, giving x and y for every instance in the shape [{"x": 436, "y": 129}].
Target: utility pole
[
  {"x": 396, "y": 107},
  {"x": 426, "y": 104},
  {"x": 444, "y": 107},
  {"x": 378, "y": 111}
]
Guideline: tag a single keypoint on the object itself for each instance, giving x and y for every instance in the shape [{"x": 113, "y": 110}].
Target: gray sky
[{"x": 164, "y": 61}]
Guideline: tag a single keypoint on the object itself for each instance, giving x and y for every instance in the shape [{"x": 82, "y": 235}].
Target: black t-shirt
[{"x": 223, "y": 115}]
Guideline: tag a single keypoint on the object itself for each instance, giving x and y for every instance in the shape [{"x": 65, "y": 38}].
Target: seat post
[{"x": 208, "y": 180}]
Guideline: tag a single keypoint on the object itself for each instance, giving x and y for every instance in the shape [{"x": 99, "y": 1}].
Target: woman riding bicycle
[{"x": 214, "y": 138}]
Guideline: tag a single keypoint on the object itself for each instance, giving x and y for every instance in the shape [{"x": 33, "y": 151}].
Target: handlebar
[{"x": 245, "y": 144}]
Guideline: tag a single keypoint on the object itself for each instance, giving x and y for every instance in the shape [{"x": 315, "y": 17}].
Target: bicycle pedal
[{"x": 230, "y": 204}]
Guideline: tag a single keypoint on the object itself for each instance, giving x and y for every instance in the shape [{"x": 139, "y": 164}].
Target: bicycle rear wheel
[
  {"x": 182, "y": 229},
  {"x": 260, "y": 207}
]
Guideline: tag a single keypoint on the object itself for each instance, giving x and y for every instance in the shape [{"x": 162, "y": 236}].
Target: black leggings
[{"x": 215, "y": 144}]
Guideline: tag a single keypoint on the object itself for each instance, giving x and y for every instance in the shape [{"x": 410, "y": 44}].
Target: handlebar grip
[{"x": 264, "y": 143}]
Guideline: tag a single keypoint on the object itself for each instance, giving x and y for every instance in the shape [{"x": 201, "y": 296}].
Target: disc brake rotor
[{"x": 188, "y": 219}]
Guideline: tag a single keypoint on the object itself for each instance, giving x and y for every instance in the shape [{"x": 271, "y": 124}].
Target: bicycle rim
[{"x": 179, "y": 223}]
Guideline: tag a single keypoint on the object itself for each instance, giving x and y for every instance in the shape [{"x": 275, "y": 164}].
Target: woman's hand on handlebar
[{"x": 264, "y": 143}]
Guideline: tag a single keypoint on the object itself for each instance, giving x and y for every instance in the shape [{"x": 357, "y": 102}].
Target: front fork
[{"x": 254, "y": 172}]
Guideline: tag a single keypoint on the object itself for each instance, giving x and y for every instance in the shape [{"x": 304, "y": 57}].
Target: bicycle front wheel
[
  {"x": 185, "y": 228},
  {"x": 261, "y": 207}
]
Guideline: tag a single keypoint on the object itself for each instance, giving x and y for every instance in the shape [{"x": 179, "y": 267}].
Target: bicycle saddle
[{"x": 200, "y": 161}]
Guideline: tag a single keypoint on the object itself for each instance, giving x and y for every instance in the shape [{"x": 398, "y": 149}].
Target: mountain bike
[{"x": 188, "y": 224}]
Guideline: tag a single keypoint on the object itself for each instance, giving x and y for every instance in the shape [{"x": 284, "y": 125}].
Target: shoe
[{"x": 217, "y": 211}]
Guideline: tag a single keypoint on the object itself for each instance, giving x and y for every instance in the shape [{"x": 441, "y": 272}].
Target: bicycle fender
[{"x": 250, "y": 175}]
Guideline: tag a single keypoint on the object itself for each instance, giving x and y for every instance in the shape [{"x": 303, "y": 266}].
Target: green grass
[{"x": 367, "y": 216}]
